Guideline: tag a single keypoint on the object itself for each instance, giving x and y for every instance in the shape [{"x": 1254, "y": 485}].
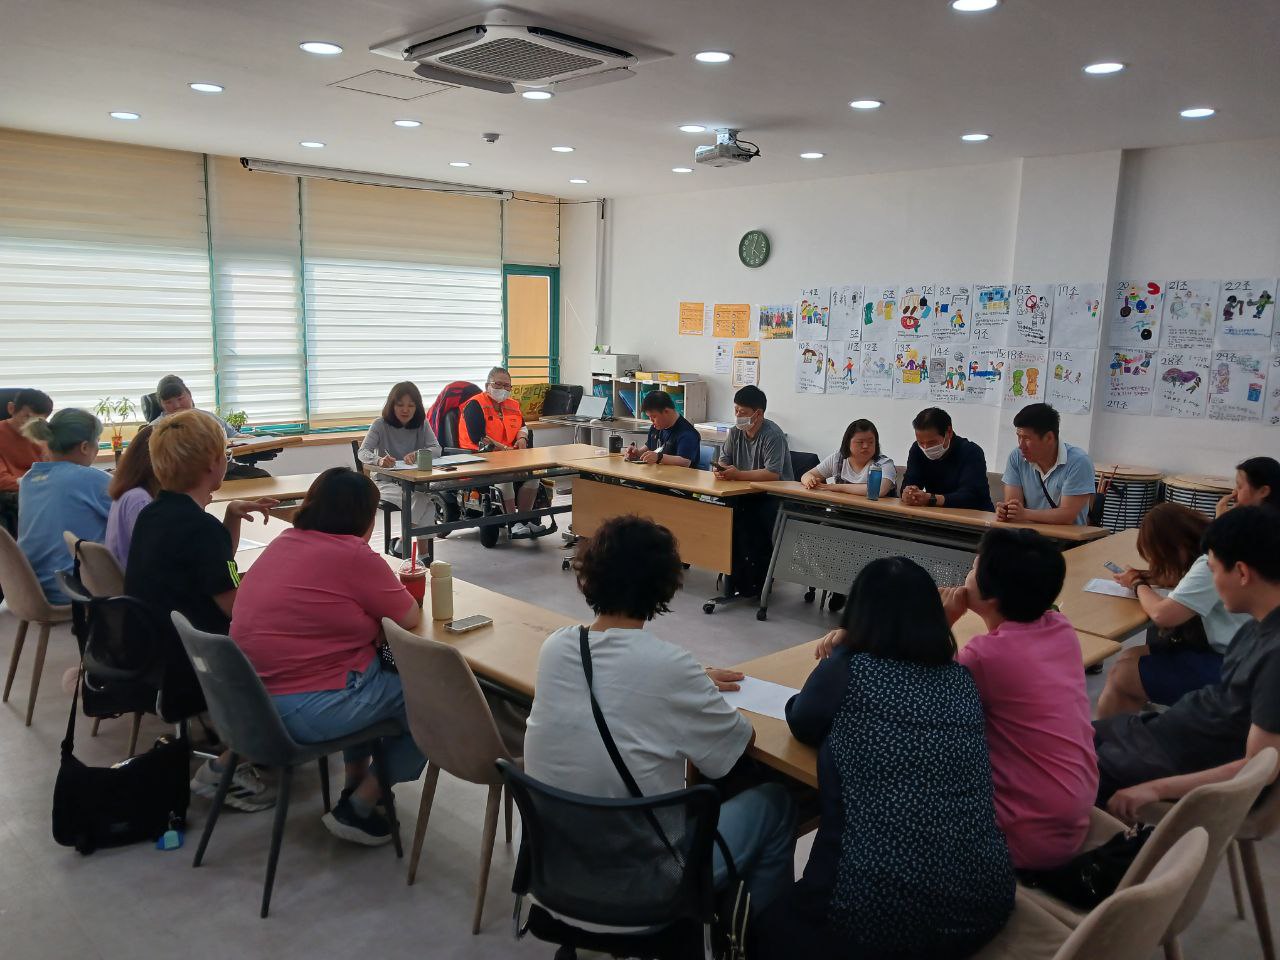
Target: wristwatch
[{"x": 933, "y": 499}]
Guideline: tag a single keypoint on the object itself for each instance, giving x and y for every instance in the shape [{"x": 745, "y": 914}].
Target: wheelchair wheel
[
  {"x": 447, "y": 511},
  {"x": 489, "y": 535}
]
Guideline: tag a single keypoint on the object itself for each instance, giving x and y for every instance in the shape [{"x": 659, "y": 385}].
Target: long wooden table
[
  {"x": 775, "y": 746},
  {"x": 1111, "y": 617},
  {"x": 291, "y": 487}
]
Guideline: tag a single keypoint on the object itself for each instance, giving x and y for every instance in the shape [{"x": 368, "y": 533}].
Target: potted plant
[
  {"x": 116, "y": 412},
  {"x": 235, "y": 418}
]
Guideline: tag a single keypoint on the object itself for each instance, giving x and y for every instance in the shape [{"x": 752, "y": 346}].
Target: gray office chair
[{"x": 248, "y": 722}]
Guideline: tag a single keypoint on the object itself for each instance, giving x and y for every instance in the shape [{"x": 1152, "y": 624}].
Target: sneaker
[
  {"x": 247, "y": 791},
  {"x": 836, "y": 602},
  {"x": 519, "y": 529},
  {"x": 343, "y": 822}
]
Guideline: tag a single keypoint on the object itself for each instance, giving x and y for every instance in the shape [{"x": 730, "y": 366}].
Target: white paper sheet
[
  {"x": 761, "y": 696},
  {"x": 1108, "y": 588},
  {"x": 247, "y": 544}
]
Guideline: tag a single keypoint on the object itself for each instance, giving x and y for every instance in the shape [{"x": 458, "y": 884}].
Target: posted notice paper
[{"x": 761, "y": 696}]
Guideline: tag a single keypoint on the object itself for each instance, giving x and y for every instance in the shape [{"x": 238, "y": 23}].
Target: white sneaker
[
  {"x": 247, "y": 791},
  {"x": 520, "y": 530}
]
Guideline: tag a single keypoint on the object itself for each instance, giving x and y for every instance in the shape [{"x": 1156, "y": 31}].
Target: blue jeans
[
  {"x": 367, "y": 698},
  {"x": 758, "y": 827}
]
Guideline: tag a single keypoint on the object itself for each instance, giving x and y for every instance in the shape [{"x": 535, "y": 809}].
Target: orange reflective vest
[{"x": 502, "y": 422}]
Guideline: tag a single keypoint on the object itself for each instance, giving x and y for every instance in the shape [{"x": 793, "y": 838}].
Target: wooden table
[
  {"x": 292, "y": 487},
  {"x": 243, "y": 446},
  {"x": 823, "y": 538},
  {"x": 775, "y": 746},
  {"x": 1111, "y": 617}
]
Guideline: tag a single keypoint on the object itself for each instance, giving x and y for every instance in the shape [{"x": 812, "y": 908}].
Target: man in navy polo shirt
[
  {"x": 1045, "y": 480},
  {"x": 672, "y": 439}
]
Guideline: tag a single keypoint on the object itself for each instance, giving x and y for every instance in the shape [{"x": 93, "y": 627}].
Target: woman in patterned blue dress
[{"x": 907, "y": 860}]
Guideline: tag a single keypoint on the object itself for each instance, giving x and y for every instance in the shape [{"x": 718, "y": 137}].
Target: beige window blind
[{"x": 531, "y": 230}]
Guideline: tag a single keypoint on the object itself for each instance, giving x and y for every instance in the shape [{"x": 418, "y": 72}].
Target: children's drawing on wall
[
  {"x": 948, "y": 363},
  {"x": 811, "y": 366},
  {"x": 1190, "y": 314},
  {"x": 880, "y": 313},
  {"x": 846, "y": 313},
  {"x": 813, "y": 313},
  {"x": 1246, "y": 314},
  {"x": 777, "y": 321},
  {"x": 990, "y": 314},
  {"x": 1070, "y": 377},
  {"x": 877, "y": 368},
  {"x": 1032, "y": 306},
  {"x": 985, "y": 383},
  {"x": 1182, "y": 384},
  {"x": 1077, "y": 315},
  {"x": 1237, "y": 382},
  {"x": 1133, "y": 315},
  {"x": 1024, "y": 380},
  {"x": 1271, "y": 413},
  {"x": 911, "y": 369},
  {"x": 844, "y": 367},
  {"x": 1130, "y": 382},
  {"x": 915, "y": 311},
  {"x": 952, "y": 318}
]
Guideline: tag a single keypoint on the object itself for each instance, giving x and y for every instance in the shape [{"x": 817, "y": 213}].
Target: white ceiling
[{"x": 1014, "y": 72}]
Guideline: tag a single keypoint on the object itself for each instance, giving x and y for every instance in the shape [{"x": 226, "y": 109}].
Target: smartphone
[
  {"x": 467, "y": 624},
  {"x": 1113, "y": 566}
]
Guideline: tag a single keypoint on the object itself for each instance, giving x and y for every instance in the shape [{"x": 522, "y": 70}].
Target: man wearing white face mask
[
  {"x": 494, "y": 418},
  {"x": 944, "y": 470}
]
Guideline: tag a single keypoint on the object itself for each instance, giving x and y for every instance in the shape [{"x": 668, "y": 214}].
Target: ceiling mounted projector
[
  {"x": 506, "y": 50},
  {"x": 727, "y": 151}
]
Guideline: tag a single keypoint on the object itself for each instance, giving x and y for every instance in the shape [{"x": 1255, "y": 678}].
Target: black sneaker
[
  {"x": 343, "y": 822},
  {"x": 836, "y": 602}
]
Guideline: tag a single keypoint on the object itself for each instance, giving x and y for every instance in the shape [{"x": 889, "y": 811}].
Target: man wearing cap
[{"x": 174, "y": 397}]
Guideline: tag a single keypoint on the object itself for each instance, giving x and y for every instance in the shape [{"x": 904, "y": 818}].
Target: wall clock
[{"x": 753, "y": 248}]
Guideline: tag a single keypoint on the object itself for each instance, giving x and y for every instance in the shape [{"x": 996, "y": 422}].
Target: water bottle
[
  {"x": 874, "y": 476},
  {"x": 441, "y": 591}
]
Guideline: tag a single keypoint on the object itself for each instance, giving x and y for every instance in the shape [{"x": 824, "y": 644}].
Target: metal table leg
[{"x": 778, "y": 524}]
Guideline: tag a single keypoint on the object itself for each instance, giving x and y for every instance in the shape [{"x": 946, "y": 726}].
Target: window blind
[
  {"x": 399, "y": 285},
  {"x": 104, "y": 269},
  {"x": 531, "y": 230},
  {"x": 257, "y": 292}
]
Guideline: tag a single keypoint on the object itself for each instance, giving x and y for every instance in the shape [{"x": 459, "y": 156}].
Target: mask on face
[
  {"x": 935, "y": 452},
  {"x": 743, "y": 422},
  {"x": 499, "y": 395}
]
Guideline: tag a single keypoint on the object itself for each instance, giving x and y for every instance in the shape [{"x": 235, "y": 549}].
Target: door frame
[{"x": 553, "y": 335}]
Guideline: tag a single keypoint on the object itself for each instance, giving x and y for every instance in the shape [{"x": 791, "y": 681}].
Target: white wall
[{"x": 1210, "y": 210}]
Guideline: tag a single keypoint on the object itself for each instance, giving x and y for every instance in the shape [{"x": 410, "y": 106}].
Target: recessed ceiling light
[
  {"x": 682, "y": 169},
  {"x": 577, "y": 180},
  {"x": 206, "y": 87},
  {"x": 459, "y": 163},
  {"x": 1100, "y": 69},
  {"x": 866, "y": 104},
  {"x": 563, "y": 149},
  {"x": 407, "y": 123},
  {"x": 692, "y": 128},
  {"x": 975, "y": 137},
  {"x": 713, "y": 56},
  {"x": 537, "y": 94},
  {"x": 321, "y": 47},
  {"x": 812, "y": 155},
  {"x": 1191, "y": 113},
  {"x": 973, "y": 6},
  {"x": 313, "y": 144},
  {"x": 125, "y": 115}
]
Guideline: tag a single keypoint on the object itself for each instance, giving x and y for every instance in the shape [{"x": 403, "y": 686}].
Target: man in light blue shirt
[{"x": 1045, "y": 480}]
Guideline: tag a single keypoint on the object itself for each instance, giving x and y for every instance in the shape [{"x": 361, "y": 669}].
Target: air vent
[
  {"x": 394, "y": 86},
  {"x": 514, "y": 59}
]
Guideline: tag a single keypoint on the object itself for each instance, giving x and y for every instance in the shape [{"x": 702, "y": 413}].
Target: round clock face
[{"x": 753, "y": 248}]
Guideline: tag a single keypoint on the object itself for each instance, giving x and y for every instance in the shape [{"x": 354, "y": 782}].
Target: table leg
[
  {"x": 406, "y": 518},
  {"x": 778, "y": 524}
]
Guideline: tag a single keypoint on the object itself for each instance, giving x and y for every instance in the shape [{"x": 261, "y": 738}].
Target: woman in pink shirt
[
  {"x": 1030, "y": 677},
  {"x": 308, "y": 616}
]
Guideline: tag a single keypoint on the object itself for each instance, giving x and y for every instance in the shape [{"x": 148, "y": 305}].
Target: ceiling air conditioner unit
[{"x": 506, "y": 50}]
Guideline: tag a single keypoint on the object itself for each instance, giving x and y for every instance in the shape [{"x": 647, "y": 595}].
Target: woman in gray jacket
[{"x": 398, "y": 434}]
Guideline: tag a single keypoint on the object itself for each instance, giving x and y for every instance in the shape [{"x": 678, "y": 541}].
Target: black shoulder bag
[
  {"x": 1090, "y": 877},
  {"x": 132, "y": 801},
  {"x": 733, "y": 906}
]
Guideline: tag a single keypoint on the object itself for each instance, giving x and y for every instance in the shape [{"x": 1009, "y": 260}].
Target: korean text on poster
[
  {"x": 1024, "y": 376},
  {"x": 877, "y": 368},
  {"x": 991, "y": 303},
  {"x": 844, "y": 366},
  {"x": 1077, "y": 315},
  {"x": 1247, "y": 310},
  {"x": 732, "y": 321},
  {"x": 1133, "y": 313},
  {"x": 1182, "y": 384},
  {"x": 986, "y": 375},
  {"x": 1032, "y": 311},
  {"x": 811, "y": 366},
  {"x": 1070, "y": 377},
  {"x": 880, "y": 313},
  {"x": 948, "y": 371},
  {"x": 1190, "y": 314},
  {"x": 694, "y": 315},
  {"x": 915, "y": 310},
  {"x": 746, "y": 363},
  {"x": 911, "y": 369},
  {"x": 813, "y": 313},
  {"x": 1237, "y": 382},
  {"x": 846, "y": 313},
  {"x": 952, "y": 315},
  {"x": 1129, "y": 382}
]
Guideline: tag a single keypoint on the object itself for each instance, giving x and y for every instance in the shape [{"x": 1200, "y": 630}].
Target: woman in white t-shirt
[{"x": 846, "y": 470}]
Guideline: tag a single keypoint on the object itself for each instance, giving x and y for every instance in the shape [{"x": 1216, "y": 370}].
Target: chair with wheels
[
  {"x": 249, "y": 723},
  {"x": 642, "y": 862},
  {"x": 26, "y": 599}
]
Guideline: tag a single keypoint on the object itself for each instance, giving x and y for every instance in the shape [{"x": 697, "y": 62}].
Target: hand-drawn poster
[
  {"x": 746, "y": 363},
  {"x": 811, "y": 366},
  {"x": 948, "y": 371},
  {"x": 910, "y": 369},
  {"x": 1133, "y": 313},
  {"x": 952, "y": 313},
  {"x": 777, "y": 321},
  {"x": 880, "y": 314},
  {"x": 1077, "y": 315},
  {"x": 1237, "y": 382},
  {"x": 813, "y": 313},
  {"x": 915, "y": 311},
  {"x": 1032, "y": 309},
  {"x": 1130, "y": 381},
  {"x": 844, "y": 366},
  {"x": 1271, "y": 413},
  {"x": 877, "y": 368},
  {"x": 990, "y": 314},
  {"x": 1024, "y": 376},
  {"x": 1190, "y": 314},
  {"x": 1182, "y": 384},
  {"x": 1246, "y": 314},
  {"x": 1070, "y": 376},
  {"x": 986, "y": 375},
  {"x": 732, "y": 321},
  {"x": 693, "y": 318},
  {"x": 846, "y": 313},
  {"x": 723, "y": 356}
]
